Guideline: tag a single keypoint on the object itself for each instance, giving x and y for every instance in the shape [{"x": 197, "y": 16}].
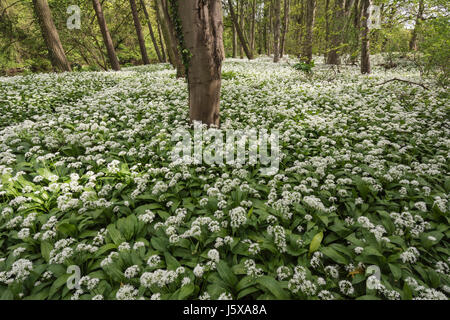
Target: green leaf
[
  {"x": 273, "y": 286},
  {"x": 115, "y": 235},
  {"x": 368, "y": 297},
  {"x": 46, "y": 247},
  {"x": 107, "y": 247},
  {"x": 226, "y": 273},
  {"x": 334, "y": 255},
  {"x": 171, "y": 262},
  {"x": 315, "y": 242},
  {"x": 61, "y": 281},
  {"x": 67, "y": 229},
  {"x": 407, "y": 292},
  {"x": 186, "y": 291},
  {"x": 396, "y": 271}
]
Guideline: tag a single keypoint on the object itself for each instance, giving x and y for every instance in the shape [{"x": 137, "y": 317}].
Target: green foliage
[
  {"x": 435, "y": 50},
  {"x": 304, "y": 66}
]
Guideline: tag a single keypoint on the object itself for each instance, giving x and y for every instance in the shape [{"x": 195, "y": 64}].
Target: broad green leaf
[
  {"x": 315, "y": 242},
  {"x": 273, "y": 286}
]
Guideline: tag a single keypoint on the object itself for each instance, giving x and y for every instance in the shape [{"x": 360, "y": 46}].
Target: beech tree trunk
[
  {"x": 202, "y": 27},
  {"x": 333, "y": 56},
  {"x": 163, "y": 33},
  {"x": 419, "y": 18},
  {"x": 276, "y": 31},
  {"x": 106, "y": 36},
  {"x": 170, "y": 37},
  {"x": 327, "y": 28},
  {"x": 252, "y": 28},
  {"x": 140, "y": 36},
  {"x": 248, "y": 53},
  {"x": 50, "y": 34},
  {"x": 285, "y": 27},
  {"x": 152, "y": 34},
  {"x": 310, "y": 19},
  {"x": 365, "y": 52},
  {"x": 234, "y": 41}
]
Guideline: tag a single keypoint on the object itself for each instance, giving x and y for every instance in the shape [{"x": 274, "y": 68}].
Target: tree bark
[
  {"x": 160, "y": 34},
  {"x": 171, "y": 38},
  {"x": 233, "y": 29},
  {"x": 202, "y": 27},
  {"x": 50, "y": 34},
  {"x": 140, "y": 36},
  {"x": 252, "y": 28},
  {"x": 327, "y": 28},
  {"x": 333, "y": 56},
  {"x": 276, "y": 31},
  {"x": 248, "y": 53},
  {"x": 106, "y": 36},
  {"x": 310, "y": 19},
  {"x": 365, "y": 52},
  {"x": 152, "y": 34},
  {"x": 419, "y": 18},
  {"x": 285, "y": 27}
]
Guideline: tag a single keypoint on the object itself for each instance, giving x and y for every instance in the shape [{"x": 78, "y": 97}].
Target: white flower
[
  {"x": 198, "y": 271},
  {"x": 131, "y": 272},
  {"x": 127, "y": 292}
]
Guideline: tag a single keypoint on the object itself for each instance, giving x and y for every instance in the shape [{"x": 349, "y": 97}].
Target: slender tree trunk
[
  {"x": 327, "y": 28},
  {"x": 285, "y": 27},
  {"x": 301, "y": 21},
  {"x": 55, "y": 49},
  {"x": 248, "y": 53},
  {"x": 234, "y": 41},
  {"x": 336, "y": 38},
  {"x": 419, "y": 18},
  {"x": 160, "y": 35},
  {"x": 270, "y": 27},
  {"x": 170, "y": 37},
  {"x": 202, "y": 27},
  {"x": 276, "y": 32},
  {"x": 265, "y": 37},
  {"x": 150, "y": 29},
  {"x": 310, "y": 18},
  {"x": 140, "y": 36},
  {"x": 365, "y": 52},
  {"x": 106, "y": 36},
  {"x": 241, "y": 25},
  {"x": 252, "y": 28}
]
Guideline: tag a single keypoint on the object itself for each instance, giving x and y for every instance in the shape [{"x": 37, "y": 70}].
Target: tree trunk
[
  {"x": 301, "y": 21},
  {"x": 140, "y": 36},
  {"x": 106, "y": 36},
  {"x": 310, "y": 18},
  {"x": 285, "y": 27},
  {"x": 241, "y": 25},
  {"x": 161, "y": 37},
  {"x": 150, "y": 29},
  {"x": 333, "y": 56},
  {"x": 234, "y": 41},
  {"x": 270, "y": 27},
  {"x": 252, "y": 28},
  {"x": 419, "y": 18},
  {"x": 276, "y": 32},
  {"x": 327, "y": 29},
  {"x": 248, "y": 53},
  {"x": 171, "y": 39},
  {"x": 365, "y": 52},
  {"x": 55, "y": 49},
  {"x": 202, "y": 28}
]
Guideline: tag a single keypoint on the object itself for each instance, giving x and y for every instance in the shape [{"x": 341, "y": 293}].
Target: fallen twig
[{"x": 406, "y": 81}]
